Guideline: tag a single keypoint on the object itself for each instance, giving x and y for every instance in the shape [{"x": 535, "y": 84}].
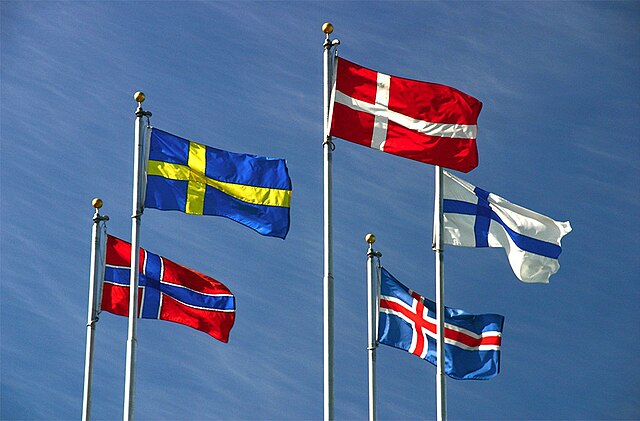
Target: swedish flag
[{"x": 200, "y": 180}]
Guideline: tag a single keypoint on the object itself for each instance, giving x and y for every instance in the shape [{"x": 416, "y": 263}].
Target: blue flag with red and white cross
[
  {"x": 408, "y": 321},
  {"x": 167, "y": 291}
]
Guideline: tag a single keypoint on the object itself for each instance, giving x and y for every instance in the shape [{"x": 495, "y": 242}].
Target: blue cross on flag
[{"x": 476, "y": 218}]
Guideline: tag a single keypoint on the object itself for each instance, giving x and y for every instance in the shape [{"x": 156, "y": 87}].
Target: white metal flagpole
[
  {"x": 438, "y": 247},
  {"x": 372, "y": 310},
  {"x": 327, "y": 285},
  {"x": 139, "y": 181},
  {"x": 95, "y": 277}
]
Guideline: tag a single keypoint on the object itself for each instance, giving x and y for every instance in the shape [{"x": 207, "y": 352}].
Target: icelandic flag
[
  {"x": 423, "y": 121},
  {"x": 408, "y": 321},
  {"x": 476, "y": 218},
  {"x": 167, "y": 291},
  {"x": 200, "y": 180}
]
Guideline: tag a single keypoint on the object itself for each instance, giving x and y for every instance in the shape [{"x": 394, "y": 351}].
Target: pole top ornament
[
  {"x": 96, "y": 203},
  {"x": 139, "y": 97},
  {"x": 327, "y": 28},
  {"x": 370, "y": 238}
]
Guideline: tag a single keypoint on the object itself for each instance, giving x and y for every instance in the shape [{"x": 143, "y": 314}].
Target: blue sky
[{"x": 558, "y": 134}]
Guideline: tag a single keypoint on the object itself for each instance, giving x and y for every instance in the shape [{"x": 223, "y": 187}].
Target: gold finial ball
[
  {"x": 139, "y": 96},
  {"x": 96, "y": 203},
  {"x": 370, "y": 238},
  {"x": 327, "y": 28}
]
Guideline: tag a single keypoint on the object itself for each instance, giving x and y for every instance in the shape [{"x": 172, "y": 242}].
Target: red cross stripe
[
  {"x": 462, "y": 338},
  {"x": 423, "y": 325},
  {"x": 416, "y": 316}
]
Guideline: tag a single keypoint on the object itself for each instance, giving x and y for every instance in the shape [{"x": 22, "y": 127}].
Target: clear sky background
[{"x": 559, "y": 134}]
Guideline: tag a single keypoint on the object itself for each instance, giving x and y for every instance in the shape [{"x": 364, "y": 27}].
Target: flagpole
[
  {"x": 327, "y": 284},
  {"x": 138, "y": 207},
  {"x": 438, "y": 247},
  {"x": 372, "y": 309},
  {"x": 95, "y": 277}
]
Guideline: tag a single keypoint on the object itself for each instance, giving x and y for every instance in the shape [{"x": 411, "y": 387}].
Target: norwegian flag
[
  {"x": 423, "y": 121},
  {"x": 408, "y": 321},
  {"x": 167, "y": 291}
]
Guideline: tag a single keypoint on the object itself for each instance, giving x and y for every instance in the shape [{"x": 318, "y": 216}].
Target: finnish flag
[{"x": 476, "y": 218}]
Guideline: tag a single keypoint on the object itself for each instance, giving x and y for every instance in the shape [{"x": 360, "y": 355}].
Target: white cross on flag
[
  {"x": 407, "y": 321},
  {"x": 423, "y": 121}
]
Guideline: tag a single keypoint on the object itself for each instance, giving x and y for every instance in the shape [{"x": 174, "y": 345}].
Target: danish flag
[
  {"x": 407, "y": 321},
  {"x": 423, "y": 121},
  {"x": 167, "y": 291}
]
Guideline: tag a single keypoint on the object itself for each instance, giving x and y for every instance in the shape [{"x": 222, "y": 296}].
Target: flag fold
[
  {"x": 476, "y": 218},
  {"x": 408, "y": 321},
  {"x": 200, "y": 180},
  {"x": 167, "y": 291},
  {"x": 423, "y": 121}
]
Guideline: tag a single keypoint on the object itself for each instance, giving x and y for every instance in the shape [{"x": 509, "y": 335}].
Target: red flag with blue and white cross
[{"x": 167, "y": 291}]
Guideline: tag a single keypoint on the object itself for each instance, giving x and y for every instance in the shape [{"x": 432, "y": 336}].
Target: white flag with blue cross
[{"x": 477, "y": 218}]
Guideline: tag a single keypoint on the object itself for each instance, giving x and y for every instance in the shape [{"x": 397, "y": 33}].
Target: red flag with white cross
[{"x": 426, "y": 122}]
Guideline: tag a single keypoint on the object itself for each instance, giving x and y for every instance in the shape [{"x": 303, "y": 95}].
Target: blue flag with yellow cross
[{"x": 200, "y": 180}]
